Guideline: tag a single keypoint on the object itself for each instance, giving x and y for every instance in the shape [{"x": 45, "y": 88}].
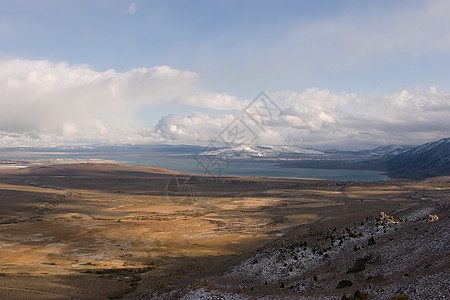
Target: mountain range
[
  {"x": 398, "y": 161},
  {"x": 415, "y": 162},
  {"x": 427, "y": 160},
  {"x": 251, "y": 152}
]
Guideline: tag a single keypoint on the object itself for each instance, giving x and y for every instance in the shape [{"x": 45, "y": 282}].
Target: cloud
[
  {"x": 320, "y": 118},
  {"x": 200, "y": 127},
  {"x": 196, "y": 127},
  {"x": 218, "y": 101},
  {"x": 348, "y": 120},
  {"x": 75, "y": 101},
  {"x": 132, "y": 9},
  {"x": 47, "y": 97},
  {"x": 56, "y": 103}
]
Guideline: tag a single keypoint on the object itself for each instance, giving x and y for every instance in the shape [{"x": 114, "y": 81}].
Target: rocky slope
[
  {"x": 404, "y": 254},
  {"x": 427, "y": 160}
]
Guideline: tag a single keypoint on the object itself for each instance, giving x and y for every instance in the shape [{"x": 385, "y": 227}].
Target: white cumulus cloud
[
  {"x": 74, "y": 101},
  {"x": 56, "y": 103},
  {"x": 320, "y": 118}
]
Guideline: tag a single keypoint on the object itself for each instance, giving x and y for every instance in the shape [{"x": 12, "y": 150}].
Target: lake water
[
  {"x": 266, "y": 169},
  {"x": 192, "y": 166}
]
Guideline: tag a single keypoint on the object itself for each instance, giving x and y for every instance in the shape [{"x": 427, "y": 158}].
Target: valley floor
[{"x": 103, "y": 231}]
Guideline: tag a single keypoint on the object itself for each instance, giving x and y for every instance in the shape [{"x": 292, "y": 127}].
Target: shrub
[
  {"x": 359, "y": 265},
  {"x": 344, "y": 283},
  {"x": 356, "y": 296},
  {"x": 371, "y": 241}
]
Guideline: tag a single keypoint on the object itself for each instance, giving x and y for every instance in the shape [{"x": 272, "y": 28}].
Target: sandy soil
[{"x": 99, "y": 231}]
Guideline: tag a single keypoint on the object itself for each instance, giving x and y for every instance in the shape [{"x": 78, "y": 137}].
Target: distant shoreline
[
  {"x": 192, "y": 166},
  {"x": 24, "y": 163}
]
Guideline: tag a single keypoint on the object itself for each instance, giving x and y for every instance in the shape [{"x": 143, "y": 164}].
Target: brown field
[{"x": 91, "y": 231}]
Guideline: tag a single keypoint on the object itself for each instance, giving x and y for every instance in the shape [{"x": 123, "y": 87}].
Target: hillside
[
  {"x": 402, "y": 254},
  {"x": 427, "y": 160}
]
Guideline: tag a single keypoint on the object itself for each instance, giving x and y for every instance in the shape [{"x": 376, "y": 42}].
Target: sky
[{"x": 336, "y": 74}]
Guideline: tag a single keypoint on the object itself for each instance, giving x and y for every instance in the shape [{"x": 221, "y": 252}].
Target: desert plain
[{"x": 107, "y": 231}]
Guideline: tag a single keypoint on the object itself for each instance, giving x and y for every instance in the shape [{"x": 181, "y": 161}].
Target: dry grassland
[{"x": 108, "y": 231}]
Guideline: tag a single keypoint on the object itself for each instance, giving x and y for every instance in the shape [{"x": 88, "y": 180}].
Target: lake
[
  {"x": 266, "y": 169},
  {"x": 185, "y": 164}
]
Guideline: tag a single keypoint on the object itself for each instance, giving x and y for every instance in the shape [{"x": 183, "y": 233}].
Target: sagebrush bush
[{"x": 344, "y": 283}]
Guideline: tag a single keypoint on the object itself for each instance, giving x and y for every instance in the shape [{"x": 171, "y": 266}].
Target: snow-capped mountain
[
  {"x": 268, "y": 152},
  {"x": 391, "y": 150},
  {"x": 396, "y": 152},
  {"x": 430, "y": 159}
]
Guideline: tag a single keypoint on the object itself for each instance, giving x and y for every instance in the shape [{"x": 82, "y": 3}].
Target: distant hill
[
  {"x": 427, "y": 160},
  {"x": 247, "y": 152},
  {"x": 414, "y": 162}
]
